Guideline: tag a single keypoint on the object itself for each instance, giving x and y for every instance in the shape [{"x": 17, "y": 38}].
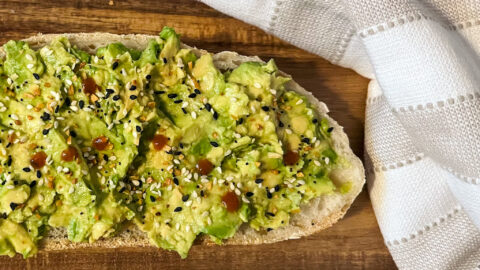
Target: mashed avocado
[{"x": 158, "y": 137}]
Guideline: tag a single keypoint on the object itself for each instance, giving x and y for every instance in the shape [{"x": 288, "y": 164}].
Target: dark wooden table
[{"x": 354, "y": 242}]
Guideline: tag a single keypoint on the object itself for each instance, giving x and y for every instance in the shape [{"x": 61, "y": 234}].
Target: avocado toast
[{"x": 131, "y": 140}]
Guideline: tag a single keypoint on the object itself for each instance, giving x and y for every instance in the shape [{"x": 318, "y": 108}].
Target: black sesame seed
[
  {"x": 164, "y": 60},
  {"x": 138, "y": 128},
  {"x": 37, "y": 77},
  {"x": 68, "y": 102},
  {"x": 110, "y": 91},
  {"x": 192, "y": 95},
  {"x": 116, "y": 97},
  {"x": 185, "y": 197},
  {"x": 197, "y": 91},
  {"x": 33, "y": 184},
  {"x": 45, "y": 131},
  {"x": 240, "y": 121},
  {"x": 152, "y": 198},
  {"x": 26, "y": 169},
  {"x": 330, "y": 129},
  {"x": 172, "y": 95},
  {"x": 81, "y": 103},
  {"x": 269, "y": 195},
  {"x": 258, "y": 180},
  {"x": 184, "y": 111},
  {"x": 159, "y": 92},
  {"x": 114, "y": 65},
  {"x": 249, "y": 194},
  {"x": 122, "y": 189},
  {"x": 45, "y": 116},
  {"x": 214, "y": 144},
  {"x": 175, "y": 180},
  {"x": 57, "y": 109},
  {"x": 39, "y": 174},
  {"x": 280, "y": 124},
  {"x": 306, "y": 140},
  {"x": 269, "y": 214},
  {"x": 265, "y": 108},
  {"x": 269, "y": 229},
  {"x": 73, "y": 133},
  {"x": 208, "y": 106},
  {"x": 9, "y": 161},
  {"x": 277, "y": 188},
  {"x": 133, "y": 97},
  {"x": 178, "y": 209},
  {"x": 133, "y": 87},
  {"x": 202, "y": 193},
  {"x": 178, "y": 101},
  {"x": 148, "y": 77},
  {"x": 215, "y": 115},
  {"x": 13, "y": 206}
]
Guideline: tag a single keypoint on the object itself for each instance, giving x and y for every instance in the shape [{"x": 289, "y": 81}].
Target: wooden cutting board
[{"x": 354, "y": 242}]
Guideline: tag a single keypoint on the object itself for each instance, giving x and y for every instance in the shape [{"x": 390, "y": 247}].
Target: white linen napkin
[{"x": 422, "y": 130}]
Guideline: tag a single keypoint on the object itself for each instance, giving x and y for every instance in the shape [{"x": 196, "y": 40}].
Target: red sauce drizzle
[
  {"x": 231, "y": 202},
  {"x": 89, "y": 86},
  {"x": 38, "y": 160},
  {"x": 290, "y": 158},
  {"x": 204, "y": 166},
  {"x": 159, "y": 141},
  {"x": 69, "y": 154},
  {"x": 100, "y": 143}
]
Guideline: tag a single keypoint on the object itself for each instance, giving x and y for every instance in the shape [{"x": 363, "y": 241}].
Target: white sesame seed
[
  {"x": 30, "y": 66},
  {"x": 194, "y": 115},
  {"x": 219, "y": 169},
  {"x": 9, "y": 81},
  {"x": 29, "y": 57},
  {"x": 177, "y": 226},
  {"x": 239, "y": 185},
  {"x": 204, "y": 180},
  {"x": 229, "y": 178},
  {"x": 71, "y": 190},
  {"x": 68, "y": 82},
  {"x": 188, "y": 203},
  {"x": 209, "y": 221},
  {"x": 314, "y": 139},
  {"x": 266, "y": 117},
  {"x": 136, "y": 182},
  {"x": 195, "y": 176},
  {"x": 273, "y": 91},
  {"x": 232, "y": 186},
  {"x": 14, "y": 116},
  {"x": 272, "y": 190},
  {"x": 289, "y": 131},
  {"x": 176, "y": 161},
  {"x": 187, "y": 228},
  {"x": 59, "y": 168},
  {"x": 301, "y": 182},
  {"x": 245, "y": 200},
  {"x": 10, "y": 187},
  {"x": 300, "y": 101},
  {"x": 74, "y": 108},
  {"x": 327, "y": 160},
  {"x": 257, "y": 85},
  {"x": 228, "y": 152},
  {"x": 237, "y": 191},
  {"x": 221, "y": 181},
  {"x": 205, "y": 214},
  {"x": 40, "y": 197},
  {"x": 185, "y": 104}
]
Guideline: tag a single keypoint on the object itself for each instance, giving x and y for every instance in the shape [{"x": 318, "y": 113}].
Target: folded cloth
[{"x": 422, "y": 129}]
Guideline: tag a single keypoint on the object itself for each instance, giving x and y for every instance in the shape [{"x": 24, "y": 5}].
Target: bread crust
[{"x": 320, "y": 213}]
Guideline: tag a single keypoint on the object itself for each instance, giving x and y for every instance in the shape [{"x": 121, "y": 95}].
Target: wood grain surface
[{"x": 354, "y": 242}]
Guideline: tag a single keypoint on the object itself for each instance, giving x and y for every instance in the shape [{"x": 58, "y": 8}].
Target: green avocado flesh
[{"x": 160, "y": 138}]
